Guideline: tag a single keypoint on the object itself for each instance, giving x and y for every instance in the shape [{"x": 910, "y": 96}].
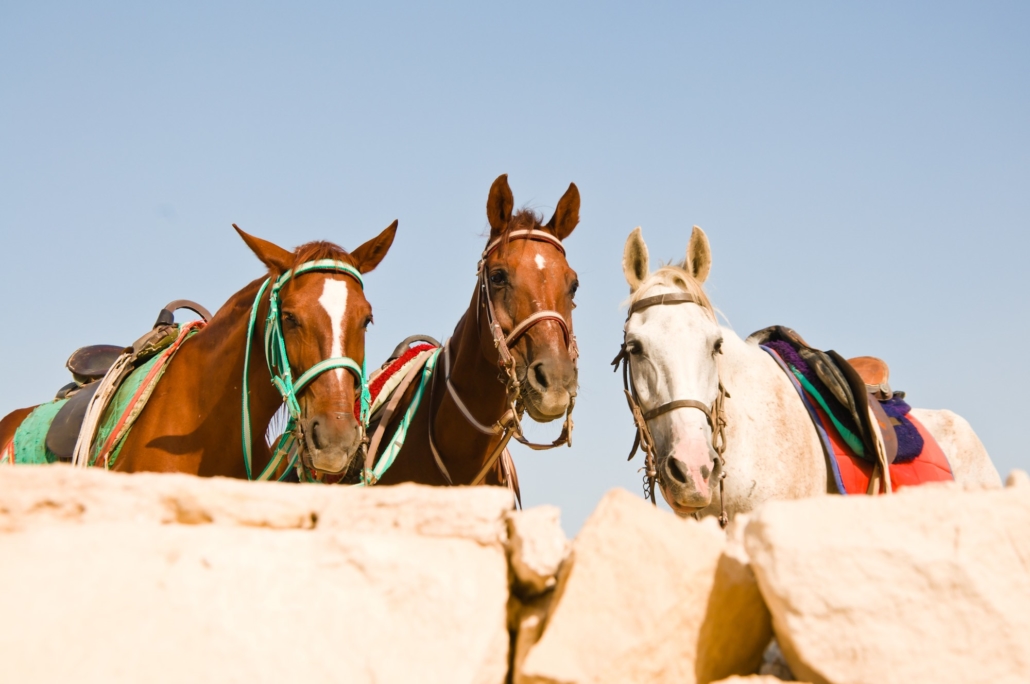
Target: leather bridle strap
[
  {"x": 495, "y": 429},
  {"x": 681, "y": 403},
  {"x": 508, "y": 425},
  {"x": 530, "y": 234},
  {"x": 529, "y": 322},
  {"x": 668, "y": 298},
  {"x": 714, "y": 414}
]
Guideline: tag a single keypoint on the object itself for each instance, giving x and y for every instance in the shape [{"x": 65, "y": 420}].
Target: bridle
[
  {"x": 714, "y": 414},
  {"x": 282, "y": 377},
  {"x": 509, "y": 424}
]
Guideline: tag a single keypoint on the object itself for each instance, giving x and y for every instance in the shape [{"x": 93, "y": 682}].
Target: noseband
[
  {"x": 279, "y": 368},
  {"x": 509, "y": 424},
  {"x": 714, "y": 414}
]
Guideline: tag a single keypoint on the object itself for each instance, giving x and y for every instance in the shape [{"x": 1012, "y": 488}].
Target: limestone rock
[
  {"x": 750, "y": 679},
  {"x": 1017, "y": 478},
  {"x": 647, "y": 597},
  {"x": 538, "y": 546},
  {"x": 933, "y": 586},
  {"x": 101, "y": 582}
]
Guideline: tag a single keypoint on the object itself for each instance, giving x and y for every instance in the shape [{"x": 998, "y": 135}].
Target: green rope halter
[{"x": 279, "y": 368}]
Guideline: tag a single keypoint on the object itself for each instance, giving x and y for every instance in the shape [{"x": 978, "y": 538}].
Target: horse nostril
[
  {"x": 678, "y": 470},
  {"x": 316, "y": 435},
  {"x": 539, "y": 374}
]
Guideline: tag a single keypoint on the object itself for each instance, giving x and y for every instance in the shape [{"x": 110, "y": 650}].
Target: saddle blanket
[
  {"x": 387, "y": 378},
  {"x": 29, "y": 444},
  {"x": 920, "y": 459}
]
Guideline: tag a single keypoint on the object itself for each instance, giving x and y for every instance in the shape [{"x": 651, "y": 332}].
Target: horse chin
[
  {"x": 548, "y": 406},
  {"x": 331, "y": 461},
  {"x": 685, "y": 504}
]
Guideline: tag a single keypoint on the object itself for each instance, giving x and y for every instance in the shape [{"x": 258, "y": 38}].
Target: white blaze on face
[
  {"x": 334, "y": 301},
  {"x": 540, "y": 263}
]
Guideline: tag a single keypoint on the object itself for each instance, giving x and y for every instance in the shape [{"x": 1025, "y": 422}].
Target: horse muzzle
[
  {"x": 331, "y": 440},
  {"x": 687, "y": 486},
  {"x": 551, "y": 384}
]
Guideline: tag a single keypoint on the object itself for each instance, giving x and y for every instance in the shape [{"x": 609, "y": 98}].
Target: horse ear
[
  {"x": 699, "y": 255},
  {"x": 566, "y": 216},
  {"x": 272, "y": 255},
  {"x": 499, "y": 205},
  {"x": 367, "y": 256},
  {"x": 635, "y": 262}
]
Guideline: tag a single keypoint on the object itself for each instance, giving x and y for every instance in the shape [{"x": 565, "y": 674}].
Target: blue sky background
[{"x": 862, "y": 172}]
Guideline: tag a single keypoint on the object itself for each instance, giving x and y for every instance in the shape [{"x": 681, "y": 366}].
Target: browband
[
  {"x": 668, "y": 298},
  {"x": 531, "y": 234}
]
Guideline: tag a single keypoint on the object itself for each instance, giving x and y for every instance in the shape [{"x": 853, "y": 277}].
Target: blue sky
[{"x": 862, "y": 173}]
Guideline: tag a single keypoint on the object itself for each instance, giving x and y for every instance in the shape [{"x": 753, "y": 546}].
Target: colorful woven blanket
[
  {"x": 920, "y": 459},
  {"x": 29, "y": 444},
  {"x": 388, "y": 377}
]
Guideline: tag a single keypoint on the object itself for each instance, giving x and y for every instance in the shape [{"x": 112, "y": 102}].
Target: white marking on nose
[
  {"x": 334, "y": 301},
  {"x": 540, "y": 263}
]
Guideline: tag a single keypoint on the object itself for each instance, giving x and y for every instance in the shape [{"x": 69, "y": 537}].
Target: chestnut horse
[
  {"x": 192, "y": 421},
  {"x": 512, "y": 351}
]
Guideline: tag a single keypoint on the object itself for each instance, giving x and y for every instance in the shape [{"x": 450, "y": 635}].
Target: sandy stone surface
[
  {"x": 538, "y": 546},
  {"x": 165, "y": 578},
  {"x": 929, "y": 585},
  {"x": 647, "y": 597}
]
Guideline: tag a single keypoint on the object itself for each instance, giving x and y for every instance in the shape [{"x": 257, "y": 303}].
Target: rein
[
  {"x": 714, "y": 414},
  {"x": 509, "y": 425},
  {"x": 282, "y": 376}
]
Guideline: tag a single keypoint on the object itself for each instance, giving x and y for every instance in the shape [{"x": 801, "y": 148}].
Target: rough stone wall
[{"x": 166, "y": 578}]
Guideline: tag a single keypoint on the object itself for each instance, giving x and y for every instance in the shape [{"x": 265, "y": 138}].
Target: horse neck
[
  {"x": 463, "y": 448},
  {"x": 215, "y": 360},
  {"x": 772, "y": 448}
]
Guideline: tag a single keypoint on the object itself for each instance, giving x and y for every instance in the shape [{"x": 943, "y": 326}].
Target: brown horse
[
  {"x": 526, "y": 288},
  {"x": 192, "y": 421}
]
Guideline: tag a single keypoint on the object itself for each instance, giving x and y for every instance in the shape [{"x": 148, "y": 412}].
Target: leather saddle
[
  {"x": 90, "y": 364},
  {"x": 858, "y": 385}
]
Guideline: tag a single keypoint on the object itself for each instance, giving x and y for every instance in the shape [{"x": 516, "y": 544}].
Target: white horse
[{"x": 773, "y": 451}]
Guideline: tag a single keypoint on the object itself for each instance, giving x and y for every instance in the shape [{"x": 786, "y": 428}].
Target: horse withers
[
  {"x": 718, "y": 408},
  {"x": 513, "y": 351},
  {"x": 202, "y": 412}
]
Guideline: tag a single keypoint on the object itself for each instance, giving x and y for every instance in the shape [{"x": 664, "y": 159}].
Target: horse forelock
[
  {"x": 675, "y": 276},
  {"x": 320, "y": 249},
  {"x": 524, "y": 219}
]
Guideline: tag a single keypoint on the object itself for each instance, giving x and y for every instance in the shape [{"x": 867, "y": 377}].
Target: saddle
[
  {"x": 856, "y": 385},
  {"x": 90, "y": 364}
]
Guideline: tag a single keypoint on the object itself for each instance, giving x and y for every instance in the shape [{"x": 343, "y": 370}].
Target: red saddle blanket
[
  {"x": 381, "y": 378},
  {"x": 853, "y": 473}
]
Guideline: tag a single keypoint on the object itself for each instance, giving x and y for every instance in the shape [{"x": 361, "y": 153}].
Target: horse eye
[
  {"x": 289, "y": 319},
  {"x": 498, "y": 277},
  {"x": 574, "y": 288},
  {"x": 368, "y": 321},
  {"x": 633, "y": 347},
  {"x": 717, "y": 347}
]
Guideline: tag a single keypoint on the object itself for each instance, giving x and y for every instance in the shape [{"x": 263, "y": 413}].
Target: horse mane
[{"x": 676, "y": 276}]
